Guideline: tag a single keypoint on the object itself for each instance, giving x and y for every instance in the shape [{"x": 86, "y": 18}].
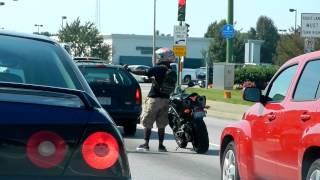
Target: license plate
[
  {"x": 199, "y": 114},
  {"x": 104, "y": 100}
]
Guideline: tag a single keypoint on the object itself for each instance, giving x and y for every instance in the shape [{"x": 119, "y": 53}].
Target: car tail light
[
  {"x": 138, "y": 96},
  {"x": 46, "y": 149},
  {"x": 100, "y": 150},
  {"x": 187, "y": 111}
]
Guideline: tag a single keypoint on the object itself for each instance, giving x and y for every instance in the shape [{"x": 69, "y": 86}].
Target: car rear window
[
  {"x": 35, "y": 62},
  {"x": 108, "y": 76}
]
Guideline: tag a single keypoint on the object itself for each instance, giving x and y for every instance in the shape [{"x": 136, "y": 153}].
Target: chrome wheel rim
[
  {"x": 229, "y": 166},
  {"x": 315, "y": 175}
]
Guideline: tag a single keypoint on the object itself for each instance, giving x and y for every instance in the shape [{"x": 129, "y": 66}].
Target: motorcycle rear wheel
[{"x": 200, "y": 140}]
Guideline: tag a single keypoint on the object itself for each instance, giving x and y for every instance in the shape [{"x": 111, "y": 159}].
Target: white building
[{"x": 137, "y": 49}]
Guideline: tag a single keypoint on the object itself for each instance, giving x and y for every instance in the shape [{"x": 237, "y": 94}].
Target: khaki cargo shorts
[{"x": 155, "y": 110}]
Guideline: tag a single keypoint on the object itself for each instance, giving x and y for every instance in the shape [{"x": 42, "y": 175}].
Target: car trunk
[
  {"x": 113, "y": 87},
  {"x": 114, "y": 97},
  {"x": 37, "y": 136}
]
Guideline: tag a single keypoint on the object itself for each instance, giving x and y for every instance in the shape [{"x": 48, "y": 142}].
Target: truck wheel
[{"x": 187, "y": 79}]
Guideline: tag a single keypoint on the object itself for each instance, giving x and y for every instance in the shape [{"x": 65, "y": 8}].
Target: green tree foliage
[
  {"x": 291, "y": 45},
  {"x": 217, "y": 48},
  {"x": 85, "y": 40},
  {"x": 267, "y": 31}
]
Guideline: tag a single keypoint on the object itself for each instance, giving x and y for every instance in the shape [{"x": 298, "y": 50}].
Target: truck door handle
[
  {"x": 271, "y": 116},
  {"x": 305, "y": 117}
]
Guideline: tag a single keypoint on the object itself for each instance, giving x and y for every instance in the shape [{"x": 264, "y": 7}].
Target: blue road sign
[{"x": 228, "y": 31}]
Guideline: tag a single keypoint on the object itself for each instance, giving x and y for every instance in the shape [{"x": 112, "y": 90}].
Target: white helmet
[{"x": 165, "y": 55}]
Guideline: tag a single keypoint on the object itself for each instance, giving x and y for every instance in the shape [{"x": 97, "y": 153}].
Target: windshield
[
  {"x": 34, "y": 62},
  {"x": 107, "y": 76}
]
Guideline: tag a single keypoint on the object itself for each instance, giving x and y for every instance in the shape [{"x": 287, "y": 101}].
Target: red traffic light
[{"x": 182, "y": 2}]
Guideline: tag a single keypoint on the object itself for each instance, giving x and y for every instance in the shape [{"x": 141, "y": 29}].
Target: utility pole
[
  {"x": 229, "y": 56},
  {"x": 154, "y": 33},
  {"x": 98, "y": 15}
]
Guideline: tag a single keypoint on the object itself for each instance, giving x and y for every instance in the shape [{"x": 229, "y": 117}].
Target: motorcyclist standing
[{"x": 157, "y": 103}]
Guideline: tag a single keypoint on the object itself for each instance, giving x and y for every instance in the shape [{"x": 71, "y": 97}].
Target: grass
[{"x": 218, "y": 95}]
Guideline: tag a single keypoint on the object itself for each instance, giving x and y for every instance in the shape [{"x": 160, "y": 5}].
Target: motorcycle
[{"x": 186, "y": 113}]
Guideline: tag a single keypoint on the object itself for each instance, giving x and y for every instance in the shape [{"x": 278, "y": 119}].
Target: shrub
[{"x": 260, "y": 75}]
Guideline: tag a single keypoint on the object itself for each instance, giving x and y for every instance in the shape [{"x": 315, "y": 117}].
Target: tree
[
  {"x": 102, "y": 51},
  {"x": 85, "y": 40},
  {"x": 290, "y": 46},
  {"x": 267, "y": 31},
  {"x": 217, "y": 48}
]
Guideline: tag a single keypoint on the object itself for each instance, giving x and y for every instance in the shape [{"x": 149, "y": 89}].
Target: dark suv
[{"x": 116, "y": 90}]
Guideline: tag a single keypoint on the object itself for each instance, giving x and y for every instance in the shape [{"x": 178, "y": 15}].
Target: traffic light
[{"x": 182, "y": 10}]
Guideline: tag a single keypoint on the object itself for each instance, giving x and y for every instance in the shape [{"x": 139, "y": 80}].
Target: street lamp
[
  {"x": 62, "y": 19},
  {"x": 38, "y": 25},
  {"x": 295, "y": 19}
]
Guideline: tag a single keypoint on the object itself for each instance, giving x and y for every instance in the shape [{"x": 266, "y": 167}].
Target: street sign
[
  {"x": 180, "y": 35},
  {"x": 310, "y": 24},
  {"x": 309, "y": 45},
  {"x": 180, "y": 51},
  {"x": 228, "y": 31}
]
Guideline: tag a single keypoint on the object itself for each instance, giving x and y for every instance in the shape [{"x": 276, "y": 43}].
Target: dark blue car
[
  {"x": 117, "y": 91},
  {"x": 51, "y": 125}
]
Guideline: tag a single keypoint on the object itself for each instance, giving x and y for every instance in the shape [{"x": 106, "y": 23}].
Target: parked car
[
  {"x": 52, "y": 126},
  {"x": 140, "y": 78},
  {"x": 190, "y": 75},
  {"x": 117, "y": 91},
  {"x": 78, "y": 59},
  {"x": 279, "y": 136}
]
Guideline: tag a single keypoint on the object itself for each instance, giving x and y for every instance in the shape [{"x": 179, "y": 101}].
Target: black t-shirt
[{"x": 158, "y": 73}]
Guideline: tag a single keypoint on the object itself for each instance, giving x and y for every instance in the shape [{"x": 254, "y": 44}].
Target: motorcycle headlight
[{"x": 201, "y": 100}]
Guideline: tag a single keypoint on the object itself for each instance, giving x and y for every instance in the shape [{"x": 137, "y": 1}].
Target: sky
[{"x": 136, "y": 16}]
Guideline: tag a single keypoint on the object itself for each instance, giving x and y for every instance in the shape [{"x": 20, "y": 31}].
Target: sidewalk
[{"x": 226, "y": 110}]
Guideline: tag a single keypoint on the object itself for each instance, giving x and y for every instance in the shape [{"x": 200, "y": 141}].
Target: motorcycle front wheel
[
  {"x": 181, "y": 141},
  {"x": 200, "y": 140}
]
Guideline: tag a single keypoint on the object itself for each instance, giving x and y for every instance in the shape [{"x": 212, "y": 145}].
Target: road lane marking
[{"x": 214, "y": 145}]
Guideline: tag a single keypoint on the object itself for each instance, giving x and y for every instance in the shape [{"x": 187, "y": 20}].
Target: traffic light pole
[{"x": 229, "y": 56}]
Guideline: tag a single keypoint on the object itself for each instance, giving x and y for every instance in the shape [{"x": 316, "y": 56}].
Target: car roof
[
  {"x": 303, "y": 58},
  {"x": 96, "y": 63},
  {"x": 87, "y": 58},
  {"x": 27, "y": 36}
]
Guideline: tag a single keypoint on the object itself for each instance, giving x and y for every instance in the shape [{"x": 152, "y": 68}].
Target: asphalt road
[{"x": 176, "y": 164}]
